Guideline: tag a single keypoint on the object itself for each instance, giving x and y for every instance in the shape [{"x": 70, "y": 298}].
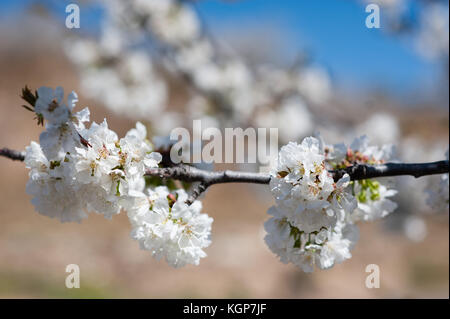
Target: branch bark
[
  {"x": 191, "y": 174},
  {"x": 188, "y": 173},
  {"x": 358, "y": 172},
  {"x": 11, "y": 154}
]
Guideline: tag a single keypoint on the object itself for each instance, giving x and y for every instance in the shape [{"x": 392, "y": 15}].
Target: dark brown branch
[
  {"x": 11, "y": 154},
  {"x": 357, "y": 172},
  {"x": 196, "y": 192},
  {"x": 191, "y": 174}
]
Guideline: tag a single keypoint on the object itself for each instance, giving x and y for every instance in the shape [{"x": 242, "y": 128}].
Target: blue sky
[{"x": 333, "y": 31}]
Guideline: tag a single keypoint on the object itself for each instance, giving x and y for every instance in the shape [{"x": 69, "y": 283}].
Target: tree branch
[
  {"x": 358, "y": 172},
  {"x": 11, "y": 154},
  {"x": 196, "y": 192},
  {"x": 188, "y": 173},
  {"x": 191, "y": 174}
]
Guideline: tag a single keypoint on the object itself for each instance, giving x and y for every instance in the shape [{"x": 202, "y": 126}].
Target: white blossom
[
  {"x": 50, "y": 104},
  {"x": 323, "y": 249},
  {"x": 311, "y": 209},
  {"x": 169, "y": 228},
  {"x": 53, "y": 194},
  {"x": 373, "y": 195},
  {"x": 77, "y": 170},
  {"x": 382, "y": 128},
  {"x": 432, "y": 39}
]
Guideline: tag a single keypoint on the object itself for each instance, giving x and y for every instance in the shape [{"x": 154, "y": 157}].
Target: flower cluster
[
  {"x": 308, "y": 224},
  {"x": 166, "y": 226},
  {"x": 372, "y": 195},
  {"x": 75, "y": 170},
  {"x": 314, "y": 217}
]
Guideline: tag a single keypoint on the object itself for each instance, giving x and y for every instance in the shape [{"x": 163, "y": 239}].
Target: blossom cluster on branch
[
  {"x": 314, "y": 217},
  {"x": 75, "y": 170},
  {"x": 319, "y": 196},
  {"x": 314, "y": 220}
]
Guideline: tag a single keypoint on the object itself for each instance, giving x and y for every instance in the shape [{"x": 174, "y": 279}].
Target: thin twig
[
  {"x": 196, "y": 192},
  {"x": 11, "y": 154}
]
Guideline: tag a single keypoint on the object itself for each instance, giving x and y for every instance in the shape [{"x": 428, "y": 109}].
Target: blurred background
[{"x": 301, "y": 66}]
